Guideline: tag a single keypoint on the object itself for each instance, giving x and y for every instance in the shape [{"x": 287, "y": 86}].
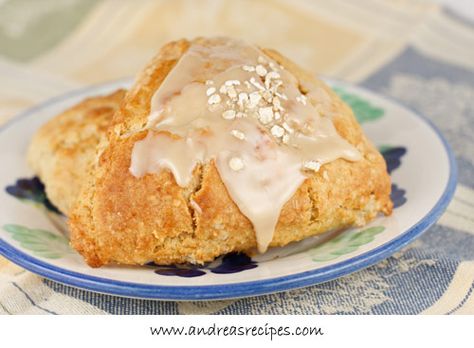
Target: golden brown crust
[
  {"x": 127, "y": 220},
  {"x": 63, "y": 148}
]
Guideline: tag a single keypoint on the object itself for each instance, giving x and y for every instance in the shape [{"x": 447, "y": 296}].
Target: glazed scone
[
  {"x": 139, "y": 207},
  {"x": 62, "y": 150}
]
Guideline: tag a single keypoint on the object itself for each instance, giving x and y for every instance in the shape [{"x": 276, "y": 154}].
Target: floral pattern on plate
[
  {"x": 41, "y": 242},
  {"x": 31, "y": 190},
  {"x": 344, "y": 243},
  {"x": 229, "y": 263}
]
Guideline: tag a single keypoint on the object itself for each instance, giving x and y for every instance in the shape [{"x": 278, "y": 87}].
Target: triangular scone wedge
[{"x": 122, "y": 219}]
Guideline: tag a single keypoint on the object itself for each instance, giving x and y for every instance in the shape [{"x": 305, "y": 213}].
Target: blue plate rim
[{"x": 242, "y": 289}]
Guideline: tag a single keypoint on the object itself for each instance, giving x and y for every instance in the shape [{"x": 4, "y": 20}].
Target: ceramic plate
[{"x": 33, "y": 233}]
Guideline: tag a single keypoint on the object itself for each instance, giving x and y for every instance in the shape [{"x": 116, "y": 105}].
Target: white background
[{"x": 134, "y": 331}]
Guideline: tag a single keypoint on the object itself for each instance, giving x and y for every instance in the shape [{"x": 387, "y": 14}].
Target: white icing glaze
[{"x": 228, "y": 102}]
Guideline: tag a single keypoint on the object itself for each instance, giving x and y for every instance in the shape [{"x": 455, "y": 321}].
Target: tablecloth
[{"x": 414, "y": 51}]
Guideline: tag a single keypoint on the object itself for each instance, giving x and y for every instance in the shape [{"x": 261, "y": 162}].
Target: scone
[
  {"x": 62, "y": 150},
  {"x": 222, "y": 147}
]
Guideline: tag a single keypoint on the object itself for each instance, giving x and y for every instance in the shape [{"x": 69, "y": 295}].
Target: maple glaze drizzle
[{"x": 227, "y": 101}]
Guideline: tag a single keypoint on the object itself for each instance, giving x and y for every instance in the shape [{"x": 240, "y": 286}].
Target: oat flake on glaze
[{"x": 245, "y": 112}]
